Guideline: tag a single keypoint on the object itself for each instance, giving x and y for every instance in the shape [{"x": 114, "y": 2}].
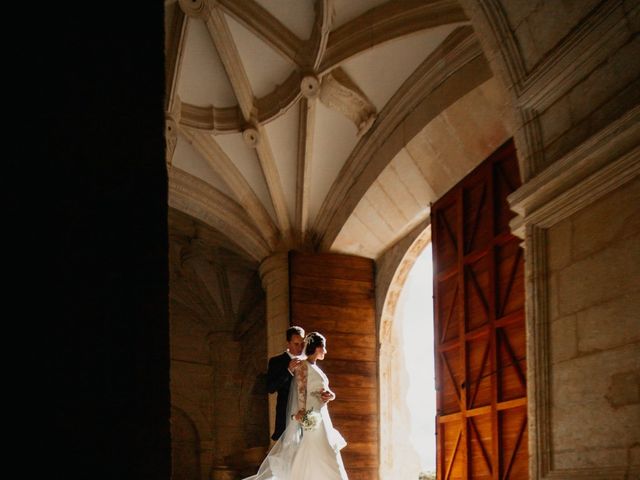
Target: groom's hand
[{"x": 293, "y": 364}]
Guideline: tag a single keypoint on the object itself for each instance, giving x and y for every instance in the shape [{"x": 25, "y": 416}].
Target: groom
[{"x": 279, "y": 374}]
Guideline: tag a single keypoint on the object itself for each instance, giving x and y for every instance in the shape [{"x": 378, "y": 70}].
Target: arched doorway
[{"x": 407, "y": 391}]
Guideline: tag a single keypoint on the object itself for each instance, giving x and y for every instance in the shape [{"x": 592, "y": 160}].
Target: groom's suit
[{"x": 279, "y": 380}]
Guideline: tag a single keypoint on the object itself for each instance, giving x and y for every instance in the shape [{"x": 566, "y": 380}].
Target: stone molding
[
  {"x": 211, "y": 119},
  {"x": 306, "y": 127},
  {"x": 503, "y": 52},
  {"x": 317, "y": 46},
  {"x": 601, "y": 164},
  {"x": 420, "y": 238},
  {"x": 529, "y": 143},
  {"x": 538, "y": 353},
  {"x": 230, "y": 119},
  {"x": 272, "y": 178},
  {"x": 598, "y": 166},
  {"x": 230, "y": 57},
  {"x": 392, "y": 270},
  {"x": 194, "y": 197}
]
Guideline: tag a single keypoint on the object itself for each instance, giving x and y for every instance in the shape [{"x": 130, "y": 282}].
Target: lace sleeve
[{"x": 301, "y": 380}]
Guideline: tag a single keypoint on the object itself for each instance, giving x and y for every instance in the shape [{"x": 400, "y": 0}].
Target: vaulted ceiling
[{"x": 328, "y": 124}]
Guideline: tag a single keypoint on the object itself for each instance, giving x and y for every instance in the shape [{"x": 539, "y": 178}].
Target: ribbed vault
[{"x": 327, "y": 125}]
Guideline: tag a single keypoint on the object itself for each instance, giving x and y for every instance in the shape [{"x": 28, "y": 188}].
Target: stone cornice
[
  {"x": 602, "y": 163},
  {"x": 366, "y": 162},
  {"x": 198, "y": 199},
  {"x": 388, "y": 21}
]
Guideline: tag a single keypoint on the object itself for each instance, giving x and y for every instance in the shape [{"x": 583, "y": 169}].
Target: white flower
[{"x": 310, "y": 420}]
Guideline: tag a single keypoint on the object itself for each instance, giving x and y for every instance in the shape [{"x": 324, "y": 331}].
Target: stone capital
[{"x": 604, "y": 162}]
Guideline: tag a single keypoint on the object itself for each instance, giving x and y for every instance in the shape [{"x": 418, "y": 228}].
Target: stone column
[{"x": 274, "y": 273}]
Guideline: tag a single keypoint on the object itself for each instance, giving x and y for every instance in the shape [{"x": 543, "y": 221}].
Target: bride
[{"x": 309, "y": 448}]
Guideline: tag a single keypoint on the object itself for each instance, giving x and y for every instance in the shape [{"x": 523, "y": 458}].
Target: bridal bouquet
[{"x": 310, "y": 420}]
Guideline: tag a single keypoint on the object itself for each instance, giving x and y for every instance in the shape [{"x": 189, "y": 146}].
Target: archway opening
[
  {"x": 407, "y": 396},
  {"x": 416, "y": 316}
]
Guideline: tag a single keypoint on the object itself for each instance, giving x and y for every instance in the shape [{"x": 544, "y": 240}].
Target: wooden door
[
  {"x": 334, "y": 294},
  {"x": 479, "y": 327}
]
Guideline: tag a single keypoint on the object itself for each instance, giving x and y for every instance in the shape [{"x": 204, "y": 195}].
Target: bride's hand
[
  {"x": 298, "y": 416},
  {"x": 327, "y": 396}
]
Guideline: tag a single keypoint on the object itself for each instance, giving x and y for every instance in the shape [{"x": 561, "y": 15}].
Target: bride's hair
[{"x": 312, "y": 341}]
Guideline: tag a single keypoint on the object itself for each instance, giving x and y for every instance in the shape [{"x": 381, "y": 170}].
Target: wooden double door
[{"x": 479, "y": 327}]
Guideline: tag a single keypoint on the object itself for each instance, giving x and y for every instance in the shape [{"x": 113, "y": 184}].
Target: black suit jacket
[{"x": 279, "y": 380}]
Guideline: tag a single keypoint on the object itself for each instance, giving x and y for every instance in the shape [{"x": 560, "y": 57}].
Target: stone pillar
[{"x": 274, "y": 273}]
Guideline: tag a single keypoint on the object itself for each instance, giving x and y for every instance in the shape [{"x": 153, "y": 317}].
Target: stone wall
[
  {"x": 594, "y": 310},
  {"x": 218, "y": 352},
  {"x": 611, "y": 84}
]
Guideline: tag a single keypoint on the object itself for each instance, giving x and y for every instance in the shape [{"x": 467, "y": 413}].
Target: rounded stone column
[{"x": 274, "y": 273}]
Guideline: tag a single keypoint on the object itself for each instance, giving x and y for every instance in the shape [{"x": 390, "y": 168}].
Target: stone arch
[
  {"x": 405, "y": 255},
  {"x": 501, "y": 48},
  {"x": 456, "y": 68}
]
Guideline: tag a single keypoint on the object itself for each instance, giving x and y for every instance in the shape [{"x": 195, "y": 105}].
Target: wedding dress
[{"x": 306, "y": 454}]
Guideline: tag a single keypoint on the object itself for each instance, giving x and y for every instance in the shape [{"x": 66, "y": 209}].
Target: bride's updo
[{"x": 312, "y": 341}]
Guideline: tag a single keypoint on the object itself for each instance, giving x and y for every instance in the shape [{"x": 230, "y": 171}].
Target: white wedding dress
[{"x": 309, "y": 454}]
